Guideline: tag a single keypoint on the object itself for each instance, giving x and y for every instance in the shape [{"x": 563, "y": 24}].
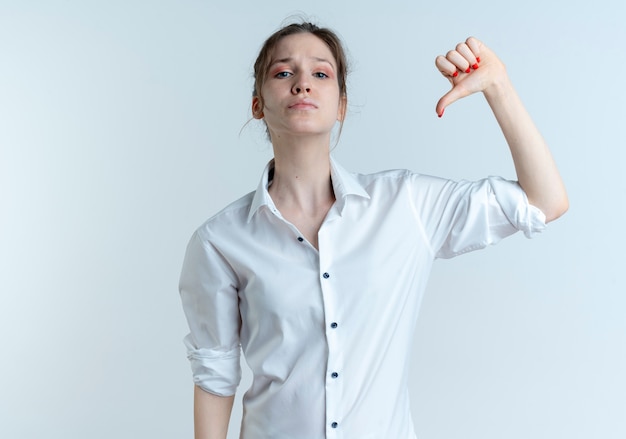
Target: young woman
[{"x": 318, "y": 274}]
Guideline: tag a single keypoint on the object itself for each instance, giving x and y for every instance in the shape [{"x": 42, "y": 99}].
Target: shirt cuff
[
  {"x": 216, "y": 372},
  {"x": 514, "y": 202}
]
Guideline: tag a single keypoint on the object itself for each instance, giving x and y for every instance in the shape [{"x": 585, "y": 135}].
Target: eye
[
  {"x": 283, "y": 74},
  {"x": 320, "y": 75}
]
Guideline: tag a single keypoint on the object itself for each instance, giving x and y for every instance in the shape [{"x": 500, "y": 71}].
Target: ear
[
  {"x": 343, "y": 107},
  {"x": 257, "y": 108}
]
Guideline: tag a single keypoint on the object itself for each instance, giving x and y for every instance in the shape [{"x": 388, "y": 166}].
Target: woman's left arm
[{"x": 472, "y": 67}]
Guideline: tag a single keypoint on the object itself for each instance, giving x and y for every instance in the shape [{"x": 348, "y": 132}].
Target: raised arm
[
  {"x": 472, "y": 67},
  {"x": 211, "y": 414}
]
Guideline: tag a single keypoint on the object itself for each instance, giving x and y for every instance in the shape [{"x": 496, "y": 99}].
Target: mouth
[{"x": 303, "y": 105}]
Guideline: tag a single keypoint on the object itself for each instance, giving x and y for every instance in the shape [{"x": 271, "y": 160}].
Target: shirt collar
[{"x": 344, "y": 184}]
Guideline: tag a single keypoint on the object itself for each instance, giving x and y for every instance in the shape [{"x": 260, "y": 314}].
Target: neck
[{"x": 302, "y": 174}]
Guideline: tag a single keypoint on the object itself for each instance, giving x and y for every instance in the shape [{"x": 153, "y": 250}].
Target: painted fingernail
[
  {"x": 468, "y": 70},
  {"x": 455, "y": 74},
  {"x": 475, "y": 66},
  {"x": 478, "y": 59},
  {"x": 441, "y": 114}
]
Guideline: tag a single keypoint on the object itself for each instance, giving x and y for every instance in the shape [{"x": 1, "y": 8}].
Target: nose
[{"x": 301, "y": 85}]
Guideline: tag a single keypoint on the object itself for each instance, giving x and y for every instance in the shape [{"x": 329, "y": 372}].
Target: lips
[{"x": 304, "y": 104}]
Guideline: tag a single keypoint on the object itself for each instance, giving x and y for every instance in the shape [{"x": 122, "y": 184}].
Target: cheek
[{"x": 269, "y": 94}]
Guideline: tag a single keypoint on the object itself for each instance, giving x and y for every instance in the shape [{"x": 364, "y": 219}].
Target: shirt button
[
  {"x": 326, "y": 275},
  {"x": 333, "y": 325},
  {"x": 300, "y": 238},
  {"x": 334, "y": 375},
  {"x": 334, "y": 425}
]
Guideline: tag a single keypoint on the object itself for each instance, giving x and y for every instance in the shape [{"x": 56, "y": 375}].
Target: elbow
[{"x": 556, "y": 209}]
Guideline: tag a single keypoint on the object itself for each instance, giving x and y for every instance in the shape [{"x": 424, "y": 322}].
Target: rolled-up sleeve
[
  {"x": 459, "y": 217},
  {"x": 514, "y": 204},
  {"x": 208, "y": 291}
]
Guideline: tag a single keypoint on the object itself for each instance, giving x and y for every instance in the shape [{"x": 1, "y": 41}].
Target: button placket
[
  {"x": 334, "y": 366},
  {"x": 334, "y": 380}
]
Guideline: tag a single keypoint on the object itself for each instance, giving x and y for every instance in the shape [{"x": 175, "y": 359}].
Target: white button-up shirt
[{"x": 327, "y": 334}]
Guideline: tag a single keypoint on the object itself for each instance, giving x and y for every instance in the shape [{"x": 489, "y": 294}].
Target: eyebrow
[{"x": 289, "y": 59}]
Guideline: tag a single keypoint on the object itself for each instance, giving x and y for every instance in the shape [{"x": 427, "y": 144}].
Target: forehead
[{"x": 304, "y": 45}]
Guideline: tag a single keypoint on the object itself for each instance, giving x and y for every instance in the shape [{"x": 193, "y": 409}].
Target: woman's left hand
[{"x": 471, "y": 67}]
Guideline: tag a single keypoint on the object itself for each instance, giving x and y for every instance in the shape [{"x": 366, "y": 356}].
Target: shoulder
[
  {"x": 230, "y": 219},
  {"x": 398, "y": 179}
]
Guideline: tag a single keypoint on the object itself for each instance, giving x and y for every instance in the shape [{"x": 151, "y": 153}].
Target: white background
[{"x": 120, "y": 133}]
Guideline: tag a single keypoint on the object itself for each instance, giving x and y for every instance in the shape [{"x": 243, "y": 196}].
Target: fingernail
[
  {"x": 468, "y": 70},
  {"x": 475, "y": 66},
  {"x": 478, "y": 59},
  {"x": 441, "y": 114},
  {"x": 455, "y": 74}
]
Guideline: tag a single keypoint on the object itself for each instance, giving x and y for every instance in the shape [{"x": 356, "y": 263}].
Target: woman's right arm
[
  {"x": 211, "y": 414},
  {"x": 209, "y": 294}
]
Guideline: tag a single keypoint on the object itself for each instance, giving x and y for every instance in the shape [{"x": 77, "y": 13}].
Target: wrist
[{"x": 500, "y": 88}]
